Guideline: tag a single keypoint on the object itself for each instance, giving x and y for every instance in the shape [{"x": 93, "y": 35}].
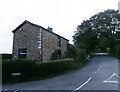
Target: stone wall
[
  {"x": 49, "y": 45},
  {"x": 29, "y": 36},
  {"x": 26, "y": 37}
]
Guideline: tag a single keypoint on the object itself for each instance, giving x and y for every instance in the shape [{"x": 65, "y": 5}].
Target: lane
[
  {"x": 108, "y": 70},
  {"x": 90, "y": 77}
]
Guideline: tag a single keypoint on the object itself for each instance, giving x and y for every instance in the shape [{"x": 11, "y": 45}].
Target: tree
[{"x": 98, "y": 32}]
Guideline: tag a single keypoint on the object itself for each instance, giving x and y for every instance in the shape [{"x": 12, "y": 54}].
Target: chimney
[{"x": 50, "y": 29}]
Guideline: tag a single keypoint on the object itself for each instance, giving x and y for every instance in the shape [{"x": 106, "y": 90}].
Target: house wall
[
  {"x": 26, "y": 37},
  {"x": 50, "y": 45}
]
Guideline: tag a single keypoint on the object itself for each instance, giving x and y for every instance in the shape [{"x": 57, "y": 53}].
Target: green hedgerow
[{"x": 32, "y": 70}]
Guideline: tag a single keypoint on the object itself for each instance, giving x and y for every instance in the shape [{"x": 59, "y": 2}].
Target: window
[
  {"x": 22, "y": 53},
  {"x": 59, "y": 41}
]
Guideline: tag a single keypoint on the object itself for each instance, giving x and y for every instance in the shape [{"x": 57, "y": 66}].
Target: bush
[
  {"x": 116, "y": 51},
  {"x": 6, "y": 56},
  {"x": 16, "y": 66},
  {"x": 76, "y": 53},
  {"x": 32, "y": 70},
  {"x": 56, "y": 55},
  {"x": 71, "y": 51}
]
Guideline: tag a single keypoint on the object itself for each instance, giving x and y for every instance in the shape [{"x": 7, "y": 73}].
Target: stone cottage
[{"x": 32, "y": 41}]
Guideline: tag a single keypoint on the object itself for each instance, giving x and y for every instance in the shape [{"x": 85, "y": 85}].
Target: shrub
[
  {"x": 6, "y": 56},
  {"x": 16, "y": 66},
  {"x": 32, "y": 70},
  {"x": 117, "y": 51},
  {"x": 76, "y": 53},
  {"x": 71, "y": 51},
  {"x": 56, "y": 55}
]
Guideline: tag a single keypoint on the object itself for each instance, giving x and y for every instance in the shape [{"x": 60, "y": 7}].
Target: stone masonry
[{"x": 36, "y": 43}]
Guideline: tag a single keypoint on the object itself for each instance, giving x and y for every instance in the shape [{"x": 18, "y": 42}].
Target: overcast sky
[{"x": 62, "y": 15}]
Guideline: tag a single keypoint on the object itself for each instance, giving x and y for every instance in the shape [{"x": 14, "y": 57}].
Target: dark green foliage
[
  {"x": 32, "y": 70},
  {"x": 16, "y": 66},
  {"x": 71, "y": 52},
  {"x": 116, "y": 51},
  {"x": 99, "y": 32},
  {"x": 6, "y": 56},
  {"x": 56, "y": 55},
  {"x": 76, "y": 53}
]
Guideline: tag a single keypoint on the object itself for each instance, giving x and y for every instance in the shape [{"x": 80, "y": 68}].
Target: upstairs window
[{"x": 59, "y": 41}]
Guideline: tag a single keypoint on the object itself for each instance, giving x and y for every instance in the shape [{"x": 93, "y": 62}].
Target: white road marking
[
  {"x": 86, "y": 81},
  {"x": 109, "y": 79},
  {"x": 99, "y": 68},
  {"x": 82, "y": 85}
]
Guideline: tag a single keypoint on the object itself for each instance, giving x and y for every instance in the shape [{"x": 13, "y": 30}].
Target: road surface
[{"x": 101, "y": 73}]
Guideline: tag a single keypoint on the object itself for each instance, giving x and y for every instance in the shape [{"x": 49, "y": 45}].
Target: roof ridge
[{"x": 26, "y": 21}]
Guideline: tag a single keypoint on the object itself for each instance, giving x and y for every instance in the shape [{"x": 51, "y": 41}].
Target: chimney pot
[{"x": 50, "y": 29}]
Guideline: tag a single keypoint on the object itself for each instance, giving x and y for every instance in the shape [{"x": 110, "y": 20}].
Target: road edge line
[{"x": 82, "y": 85}]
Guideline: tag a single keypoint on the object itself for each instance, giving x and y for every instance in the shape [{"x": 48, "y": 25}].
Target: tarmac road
[{"x": 101, "y": 73}]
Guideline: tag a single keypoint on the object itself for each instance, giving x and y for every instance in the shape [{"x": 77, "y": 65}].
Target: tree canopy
[{"x": 100, "y": 32}]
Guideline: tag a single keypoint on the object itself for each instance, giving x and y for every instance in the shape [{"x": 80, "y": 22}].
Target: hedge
[
  {"x": 33, "y": 70},
  {"x": 117, "y": 54},
  {"x": 6, "y": 56},
  {"x": 116, "y": 51}
]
